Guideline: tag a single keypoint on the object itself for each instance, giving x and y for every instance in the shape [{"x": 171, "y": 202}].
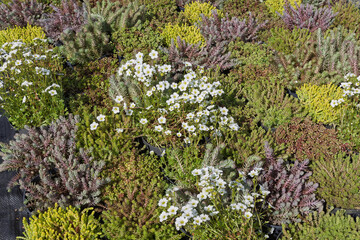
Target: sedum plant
[
  {"x": 348, "y": 16},
  {"x": 317, "y": 100},
  {"x": 26, "y": 34},
  {"x": 227, "y": 30},
  {"x": 20, "y": 13},
  {"x": 338, "y": 178},
  {"x": 306, "y": 16},
  {"x": 305, "y": 139},
  {"x": 324, "y": 226},
  {"x": 59, "y": 223},
  {"x": 31, "y": 87},
  {"x": 292, "y": 195},
  {"x": 193, "y": 11},
  {"x": 51, "y": 169},
  {"x": 277, "y": 6}
]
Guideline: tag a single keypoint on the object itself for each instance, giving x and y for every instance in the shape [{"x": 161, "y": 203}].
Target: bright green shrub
[
  {"x": 324, "y": 226},
  {"x": 62, "y": 224},
  {"x": 194, "y": 9},
  {"x": 27, "y": 34},
  {"x": 348, "y": 129},
  {"x": 317, "y": 99},
  {"x": 339, "y": 180},
  {"x": 284, "y": 40},
  {"x": 191, "y": 34},
  {"x": 278, "y": 5}
]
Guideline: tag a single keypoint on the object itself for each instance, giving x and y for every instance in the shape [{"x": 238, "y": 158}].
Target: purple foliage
[
  {"x": 69, "y": 16},
  {"x": 306, "y": 16},
  {"x": 226, "y": 30},
  {"x": 18, "y": 13}
]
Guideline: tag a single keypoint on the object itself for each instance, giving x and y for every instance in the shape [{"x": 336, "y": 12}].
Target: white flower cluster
[
  {"x": 349, "y": 89},
  {"x": 197, "y": 210}
]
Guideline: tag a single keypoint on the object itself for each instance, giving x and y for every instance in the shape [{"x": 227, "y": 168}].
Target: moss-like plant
[
  {"x": 190, "y": 34},
  {"x": 348, "y": 16},
  {"x": 285, "y": 40},
  {"x": 193, "y": 11},
  {"x": 270, "y": 104},
  {"x": 324, "y": 226},
  {"x": 27, "y": 34},
  {"x": 278, "y": 5},
  {"x": 65, "y": 224},
  {"x": 339, "y": 179},
  {"x": 317, "y": 101},
  {"x": 131, "y": 200},
  {"x": 305, "y": 139},
  {"x": 348, "y": 130}
]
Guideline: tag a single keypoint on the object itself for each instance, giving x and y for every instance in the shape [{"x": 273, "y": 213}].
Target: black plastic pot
[
  {"x": 354, "y": 213},
  {"x": 292, "y": 93},
  {"x": 260, "y": 124},
  {"x": 274, "y": 231},
  {"x": 180, "y": 9}
]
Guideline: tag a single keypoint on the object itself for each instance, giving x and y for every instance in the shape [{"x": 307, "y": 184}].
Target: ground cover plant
[{"x": 183, "y": 119}]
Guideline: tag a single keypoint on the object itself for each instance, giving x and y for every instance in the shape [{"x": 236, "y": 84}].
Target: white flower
[
  {"x": 224, "y": 110},
  {"x": 174, "y": 85},
  {"x": 187, "y": 64},
  {"x": 163, "y": 202},
  {"x": 209, "y": 208},
  {"x": 132, "y": 105},
  {"x": 204, "y": 217},
  {"x": 193, "y": 202},
  {"x": 163, "y": 216},
  {"x": 248, "y": 214},
  {"x": 26, "y": 83},
  {"x": 24, "y": 99},
  {"x": 180, "y": 221},
  {"x": 266, "y": 236},
  {"x": 172, "y": 210},
  {"x": 17, "y": 62},
  {"x": 201, "y": 196},
  {"x": 118, "y": 99},
  {"x": 167, "y": 132},
  {"x": 179, "y": 134},
  {"x": 52, "y": 92},
  {"x": 197, "y": 220},
  {"x": 139, "y": 56},
  {"x": 153, "y": 54},
  {"x": 129, "y": 112},
  {"x": 94, "y": 125},
  {"x": 158, "y": 128},
  {"x": 253, "y": 173},
  {"x": 143, "y": 121},
  {"x": 196, "y": 172},
  {"x": 191, "y": 128},
  {"x": 119, "y": 130},
  {"x": 162, "y": 120},
  {"x": 101, "y": 118},
  {"x": 249, "y": 198},
  {"x": 149, "y": 93},
  {"x": 188, "y": 213},
  {"x": 116, "y": 110}
]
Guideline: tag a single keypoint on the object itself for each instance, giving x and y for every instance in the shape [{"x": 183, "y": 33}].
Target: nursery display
[{"x": 182, "y": 119}]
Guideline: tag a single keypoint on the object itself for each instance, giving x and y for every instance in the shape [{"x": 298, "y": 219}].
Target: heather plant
[
  {"x": 227, "y": 30},
  {"x": 291, "y": 194},
  {"x": 31, "y": 85},
  {"x": 324, "y": 226},
  {"x": 26, "y": 34},
  {"x": 193, "y": 11},
  {"x": 338, "y": 179},
  {"x": 189, "y": 33},
  {"x": 305, "y": 139},
  {"x": 348, "y": 16},
  {"x": 131, "y": 199},
  {"x": 307, "y": 16},
  {"x": 51, "y": 169},
  {"x": 278, "y": 6},
  {"x": 269, "y": 103},
  {"x": 59, "y": 223},
  {"x": 20, "y": 13},
  {"x": 318, "y": 101},
  {"x": 215, "y": 207},
  {"x": 285, "y": 40},
  {"x": 70, "y": 15},
  {"x": 89, "y": 43}
]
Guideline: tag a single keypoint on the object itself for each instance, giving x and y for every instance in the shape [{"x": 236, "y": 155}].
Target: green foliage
[
  {"x": 305, "y": 139},
  {"x": 130, "y": 41},
  {"x": 32, "y": 95},
  {"x": 284, "y": 40},
  {"x": 348, "y": 16},
  {"x": 161, "y": 12},
  {"x": 62, "y": 224},
  {"x": 278, "y": 5},
  {"x": 269, "y": 103},
  {"x": 339, "y": 180},
  {"x": 88, "y": 44},
  {"x": 190, "y": 34},
  {"x": 193, "y": 11},
  {"x": 348, "y": 130},
  {"x": 317, "y": 99},
  {"x": 132, "y": 211},
  {"x": 27, "y": 34},
  {"x": 324, "y": 226}
]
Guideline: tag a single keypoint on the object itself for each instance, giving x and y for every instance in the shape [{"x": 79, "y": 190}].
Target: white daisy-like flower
[
  {"x": 132, "y": 105},
  {"x": 119, "y": 99},
  {"x": 163, "y": 216},
  {"x": 24, "y": 99},
  {"x": 26, "y": 83},
  {"x": 193, "y": 202},
  {"x": 163, "y": 202},
  {"x": 204, "y": 217},
  {"x": 158, "y": 128},
  {"x": 101, "y": 118},
  {"x": 180, "y": 221},
  {"x": 94, "y": 125},
  {"x": 52, "y": 92},
  {"x": 143, "y": 121},
  {"x": 139, "y": 56},
  {"x": 119, "y": 130},
  {"x": 196, "y": 172},
  {"x": 197, "y": 220},
  {"x": 172, "y": 210},
  {"x": 116, "y": 110},
  {"x": 201, "y": 196},
  {"x": 153, "y": 54},
  {"x": 179, "y": 134},
  {"x": 191, "y": 128},
  {"x": 223, "y": 110},
  {"x": 174, "y": 85},
  {"x": 248, "y": 214},
  {"x": 167, "y": 132},
  {"x": 162, "y": 120}
]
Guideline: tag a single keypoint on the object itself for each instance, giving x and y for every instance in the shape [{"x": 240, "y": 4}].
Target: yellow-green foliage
[
  {"x": 191, "y": 34},
  {"x": 27, "y": 34},
  {"x": 278, "y": 5},
  {"x": 194, "y": 9},
  {"x": 317, "y": 101},
  {"x": 62, "y": 224}
]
